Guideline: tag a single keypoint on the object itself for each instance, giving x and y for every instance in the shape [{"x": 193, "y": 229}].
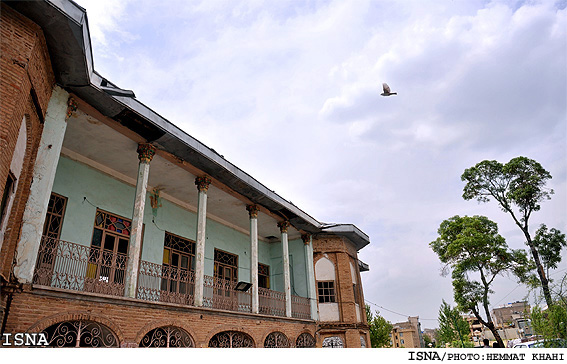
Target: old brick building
[{"x": 119, "y": 229}]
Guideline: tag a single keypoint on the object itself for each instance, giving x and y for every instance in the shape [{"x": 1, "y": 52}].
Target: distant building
[
  {"x": 431, "y": 334},
  {"x": 475, "y": 327},
  {"x": 507, "y": 315},
  {"x": 407, "y": 334}
]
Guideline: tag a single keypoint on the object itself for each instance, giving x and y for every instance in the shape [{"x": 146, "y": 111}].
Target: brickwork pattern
[
  {"x": 25, "y": 69},
  {"x": 341, "y": 253},
  {"x": 131, "y": 320}
]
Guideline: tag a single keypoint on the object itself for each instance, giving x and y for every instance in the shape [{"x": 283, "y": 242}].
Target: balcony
[{"x": 75, "y": 267}]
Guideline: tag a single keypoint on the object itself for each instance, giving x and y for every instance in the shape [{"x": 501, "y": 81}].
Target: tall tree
[
  {"x": 519, "y": 187},
  {"x": 477, "y": 254},
  {"x": 380, "y": 329},
  {"x": 452, "y": 326}
]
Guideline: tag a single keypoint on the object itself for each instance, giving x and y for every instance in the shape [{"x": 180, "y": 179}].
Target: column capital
[
  {"x": 306, "y": 238},
  {"x": 253, "y": 211},
  {"x": 146, "y": 152},
  {"x": 283, "y": 225},
  {"x": 71, "y": 107},
  {"x": 202, "y": 183}
]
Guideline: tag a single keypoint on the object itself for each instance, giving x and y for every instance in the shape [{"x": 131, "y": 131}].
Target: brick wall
[
  {"x": 130, "y": 320},
  {"x": 342, "y": 253},
  {"x": 25, "y": 70}
]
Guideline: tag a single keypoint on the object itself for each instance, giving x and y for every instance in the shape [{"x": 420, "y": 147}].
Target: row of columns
[{"x": 59, "y": 110}]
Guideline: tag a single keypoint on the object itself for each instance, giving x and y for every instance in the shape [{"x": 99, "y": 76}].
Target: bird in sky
[{"x": 387, "y": 90}]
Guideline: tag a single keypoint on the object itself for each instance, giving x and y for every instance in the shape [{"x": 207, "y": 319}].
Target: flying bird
[{"x": 387, "y": 90}]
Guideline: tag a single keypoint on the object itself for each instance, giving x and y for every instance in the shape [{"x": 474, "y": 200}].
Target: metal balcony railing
[
  {"x": 71, "y": 266},
  {"x": 67, "y": 265}
]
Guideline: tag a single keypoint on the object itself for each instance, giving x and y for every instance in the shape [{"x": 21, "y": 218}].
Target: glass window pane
[
  {"x": 97, "y": 237},
  {"x": 123, "y": 246},
  {"x": 184, "y": 261},
  {"x": 175, "y": 259},
  {"x": 109, "y": 241}
]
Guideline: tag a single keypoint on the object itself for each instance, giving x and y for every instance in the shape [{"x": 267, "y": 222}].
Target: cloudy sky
[{"x": 289, "y": 91}]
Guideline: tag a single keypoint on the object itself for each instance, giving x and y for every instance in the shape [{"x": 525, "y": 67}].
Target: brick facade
[
  {"x": 130, "y": 319},
  {"x": 26, "y": 83},
  {"x": 342, "y": 254}
]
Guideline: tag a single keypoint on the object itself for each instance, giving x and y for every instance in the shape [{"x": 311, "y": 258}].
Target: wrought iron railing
[
  {"x": 220, "y": 293},
  {"x": 271, "y": 302},
  {"x": 163, "y": 283},
  {"x": 300, "y": 307},
  {"x": 67, "y": 265}
]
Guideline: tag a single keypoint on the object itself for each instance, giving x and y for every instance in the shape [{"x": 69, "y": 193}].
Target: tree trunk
[{"x": 539, "y": 268}]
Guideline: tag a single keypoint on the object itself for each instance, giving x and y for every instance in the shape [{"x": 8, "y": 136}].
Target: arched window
[
  {"x": 333, "y": 342},
  {"x": 276, "y": 340},
  {"x": 305, "y": 340},
  {"x": 362, "y": 341},
  {"x": 80, "y": 333},
  {"x": 231, "y": 339},
  {"x": 167, "y": 337}
]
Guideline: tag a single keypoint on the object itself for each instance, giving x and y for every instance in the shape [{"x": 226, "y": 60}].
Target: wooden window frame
[
  {"x": 326, "y": 292},
  {"x": 264, "y": 273},
  {"x": 218, "y": 264}
]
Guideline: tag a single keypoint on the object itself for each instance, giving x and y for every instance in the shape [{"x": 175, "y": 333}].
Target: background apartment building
[{"x": 407, "y": 334}]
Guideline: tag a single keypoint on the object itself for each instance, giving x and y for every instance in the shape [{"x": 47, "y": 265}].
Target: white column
[
  {"x": 311, "y": 290},
  {"x": 145, "y": 154},
  {"x": 283, "y": 225},
  {"x": 59, "y": 109},
  {"x": 253, "y": 212},
  {"x": 203, "y": 186}
]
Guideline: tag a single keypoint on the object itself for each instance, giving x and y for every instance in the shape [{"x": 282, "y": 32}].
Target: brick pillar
[
  {"x": 59, "y": 109},
  {"x": 344, "y": 280},
  {"x": 145, "y": 154},
  {"x": 203, "y": 186},
  {"x": 283, "y": 225},
  {"x": 253, "y": 212}
]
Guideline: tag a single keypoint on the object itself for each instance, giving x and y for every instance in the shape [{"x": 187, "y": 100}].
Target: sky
[{"x": 289, "y": 91}]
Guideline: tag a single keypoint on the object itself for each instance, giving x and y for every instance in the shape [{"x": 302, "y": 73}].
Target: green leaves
[
  {"x": 380, "y": 329},
  {"x": 549, "y": 245},
  {"x": 452, "y": 326}
]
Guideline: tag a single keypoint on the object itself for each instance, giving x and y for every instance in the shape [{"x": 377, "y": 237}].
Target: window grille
[
  {"x": 276, "y": 340},
  {"x": 226, "y": 266},
  {"x": 178, "y": 261},
  {"x": 305, "y": 340},
  {"x": 80, "y": 333},
  {"x": 167, "y": 337},
  {"x": 231, "y": 339},
  {"x": 326, "y": 291},
  {"x": 333, "y": 342}
]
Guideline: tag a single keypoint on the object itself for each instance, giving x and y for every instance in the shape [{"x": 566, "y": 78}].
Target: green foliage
[
  {"x": 472, "y": 248},
  {"x": 519, "y": 188},
  {"x": 549, "y": 245},
  {"x": 552, "y": 323},
  {"x": 380, "y": 329},
  {"x": 427, "y": 340},
  {"x": 453, "y": 328}
]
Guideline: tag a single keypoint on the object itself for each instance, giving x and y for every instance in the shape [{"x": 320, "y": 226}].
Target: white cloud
[{"x": 289, "y": 92}]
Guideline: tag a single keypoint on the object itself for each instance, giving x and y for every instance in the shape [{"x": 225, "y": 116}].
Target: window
[
  {"x": 263, "y": 276},
  {"x": 49, "y": 242},
  {"x": 276, "y": 340},
  {"x": 231, "y": 339},
  {"x": 305, "y": 340},
  {"x": 80, "y": 334},
  {"x": 326, "y": 291},
  {"x": 333, "y": 342},
  {"x": 226, "y": 266},
  {"x": 356, "y": 294},
  {"x": 167, "y": 337},
  {"x": 54, "y": 217},
  {"x": 8, "y": 187},
  {"x": 178, "y": 261},
  {"x": 109, "y": 249}
]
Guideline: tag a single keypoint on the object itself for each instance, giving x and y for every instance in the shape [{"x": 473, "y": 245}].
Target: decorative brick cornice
[
  {"x": 283, "y": 225},
  {"x": 146, "y": 152},
  {"x": 306, "y": 238},
  {"x": 202, "y": 183},
  {"x": 253, "y": 211},
  {"x": 71, "y": 107}
]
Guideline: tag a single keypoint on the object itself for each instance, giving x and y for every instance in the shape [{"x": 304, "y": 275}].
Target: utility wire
[{"x": 397, "y": 313}]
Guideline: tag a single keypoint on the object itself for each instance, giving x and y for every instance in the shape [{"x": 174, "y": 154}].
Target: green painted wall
[{"x": 76, "y": 181}]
